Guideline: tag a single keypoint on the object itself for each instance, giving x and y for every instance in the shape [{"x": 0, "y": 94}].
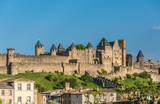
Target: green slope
[
  {"x": 40, "y": 78},
  {"x": 142, "y": 79}
]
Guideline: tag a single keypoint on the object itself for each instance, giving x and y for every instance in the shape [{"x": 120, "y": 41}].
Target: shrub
[
  {"x": 49, "y": 77},
  {"x": 80, "y": 47},
  {"x": 144, "y": 75},
  {"x": 120, "y": 78},
  {"x": 73, "y": 82},
  {"x": 103, "y": 71},
  {"x": 99, "y": 72},
  {"x": 59, "y": 86},
  {"x": 32, "y": 71},
  {"x": 57, "y": 72},
  {"x": 135, "y": 74},
  {"x": 129, "y": 76},
  {"x": 40, "y": 88},
  {"x": 52, "y": 78},
  {"x": 135, "y": 77},
  {"x": 62, "y": 73},
  {"x": 115, "y": 79},
  {"x": 86, "y": 78}
]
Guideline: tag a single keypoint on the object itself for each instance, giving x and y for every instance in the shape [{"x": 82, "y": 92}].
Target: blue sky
[{"x": 23, "y": 22}]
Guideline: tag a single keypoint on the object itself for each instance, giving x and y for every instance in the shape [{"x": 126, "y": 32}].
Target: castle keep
[{"x": 108, "y": 56}]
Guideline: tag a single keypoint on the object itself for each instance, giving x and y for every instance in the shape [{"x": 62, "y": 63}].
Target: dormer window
[{"x": 19, "y": 86}]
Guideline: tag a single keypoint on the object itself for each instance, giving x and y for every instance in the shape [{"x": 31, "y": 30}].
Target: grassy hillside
[
  {"x": 58, "y": 80},
  {"x": 141, "y": 79}
]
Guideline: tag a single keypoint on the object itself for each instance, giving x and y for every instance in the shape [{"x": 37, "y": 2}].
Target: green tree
[
  {"x": 80, "y": 47},
  {"x": 87, "y": 78},
  {"x": 129, "y": 93},
  {"x": 97, "y": 96},
  {"x": 73, "y": 82},
  {"x": 40, "y": 88},
  {"x": 87, "y": 95},
  {"x": 1, "y": 101}
]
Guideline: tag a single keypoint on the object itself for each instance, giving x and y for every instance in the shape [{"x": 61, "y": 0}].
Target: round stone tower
[
  {"x": 39, "y": 49},
  {"x": 140, "y": 59}
]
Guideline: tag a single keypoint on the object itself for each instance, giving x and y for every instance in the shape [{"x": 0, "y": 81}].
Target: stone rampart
[{"x": 37, "y": 67}]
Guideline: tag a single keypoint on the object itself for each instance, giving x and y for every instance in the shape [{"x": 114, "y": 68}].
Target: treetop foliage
[{"x": 80, "y": 47}]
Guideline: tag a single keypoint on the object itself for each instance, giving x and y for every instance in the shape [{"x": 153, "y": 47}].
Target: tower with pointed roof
[
  {"x": 73, "y": 51},
  {"x": 39, "y": 48},
  {"x": 60, "y": 48},
  {"x": 53, "y": 50},
  {"x": 91, "y": 56},
  {"x": 103, "y": 44},
  {"x": 104, "y": 52},
  {"x": 140, "y": 59}
]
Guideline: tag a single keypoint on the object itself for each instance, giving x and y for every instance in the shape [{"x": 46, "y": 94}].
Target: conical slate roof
[
  {"x": 53, "y": 46},
  {"x": 140, "y": 54},
  {"x": 89, "y": 45},
  {"x": 73, "y": 45},
  {"x": 105, "y": 43},
  {"x": 60, "y": 46},
  {"x": 39, "y": 43}
]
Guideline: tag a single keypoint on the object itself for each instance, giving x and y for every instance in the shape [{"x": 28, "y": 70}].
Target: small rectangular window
[
  {"x": 29, "y": 87},
  {"x": 10, "y": 92},
  {"x": 2, "y": 92},
  {"x": 19, "y": 86}
]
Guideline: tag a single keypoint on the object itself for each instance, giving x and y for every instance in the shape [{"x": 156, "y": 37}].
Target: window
[
  {"x": 19, "y": 100},
  {"x": 3, "y": 101},
  {"x": 10, "y": 101},
  {"x": 2, "y": 92},
  {"x": 28, "y": 86},
  {"x": 28, "y": 100},
  {"x": 111, "y": 94},
  {"x": 19, "y": 86},
  {"x": 10, "y": 92}
]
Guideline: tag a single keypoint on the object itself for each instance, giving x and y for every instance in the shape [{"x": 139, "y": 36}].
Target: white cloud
[{"x": 156, "y": 27}]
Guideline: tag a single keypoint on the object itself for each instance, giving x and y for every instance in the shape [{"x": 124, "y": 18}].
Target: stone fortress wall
[
  {"x": 110, "y": 56},
  {"x": 106, "y": 56}
]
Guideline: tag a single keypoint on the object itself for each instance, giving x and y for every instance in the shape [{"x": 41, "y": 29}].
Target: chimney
[{"x": 67, "y": 87}]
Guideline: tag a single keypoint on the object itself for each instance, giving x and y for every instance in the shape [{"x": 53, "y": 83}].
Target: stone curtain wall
[
  {"x": 3, "y": 59},
  {"x": 40, "y": 59},
  {"x": 37, "y": 67}
]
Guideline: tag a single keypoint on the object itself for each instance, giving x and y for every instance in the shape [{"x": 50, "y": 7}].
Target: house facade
[{"x": 20, "y": 91}]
